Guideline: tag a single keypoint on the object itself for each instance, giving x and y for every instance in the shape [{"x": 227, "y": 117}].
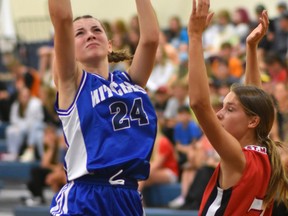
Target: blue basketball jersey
[{"x": 110, "y": 126}]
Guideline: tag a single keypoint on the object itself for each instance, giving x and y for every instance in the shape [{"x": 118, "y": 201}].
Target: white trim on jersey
[
  {"x": 258, "y": 205},
  {"x": 216, "y": 204},
  {"x": 76, "y": 156},
  {"x": 99, "y": 76},
  {"x": 124, "y": 74},
  {"x": 69, "y": 110}
]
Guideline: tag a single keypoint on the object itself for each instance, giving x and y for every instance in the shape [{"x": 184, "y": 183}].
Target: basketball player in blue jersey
[
  {"x": 108, "y": 120},
  {"x": 250, "y": 174}
]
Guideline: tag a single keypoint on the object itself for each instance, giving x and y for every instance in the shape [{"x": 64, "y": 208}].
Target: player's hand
[
  {"x": 200, "y": 17},
  {"x": 258, "y": 33}
]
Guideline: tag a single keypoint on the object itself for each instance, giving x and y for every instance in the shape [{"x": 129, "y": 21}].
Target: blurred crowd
[{"x": 181, "y": 153}]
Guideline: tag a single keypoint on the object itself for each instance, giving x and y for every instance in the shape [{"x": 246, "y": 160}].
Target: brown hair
[
  {"x": 256, "y": 102},
  {"x": 114, "y": 56}
]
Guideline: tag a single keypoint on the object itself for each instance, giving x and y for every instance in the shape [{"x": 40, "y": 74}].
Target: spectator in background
[
  {"x": 119, "y": 33},
  {"x": 242, "y": 22},
  {"x": 133, "y": 22},
  {"x": 265, "y": 44},
  {"x": 56, "y": 179},
  {"x": 281, "y": 8},
  {"x": 46, "y": 55},
  {"x": 49, "y": 161},
  {"x": 133, "y": 39},
  {"x": 47, "y": 96},
  {"x": 202, "y": 160},
  {"x": 203, "y": 174},
  {"x": 176, "y": 33},
  {"x": 170, "y": 50},
  {"x": 26, "y": 125},
  {"x": 8, "y": 94},
  {"x": 25, "y": 76},
  {"x": 178, "y": 98},
  {"x": 188, "y": 171},
  {"x": 276, "y": 67},
  {"x": 235, "y": 64},
  {"x": 119, "y": 26},
  {"x": 280, "y": 95},
  {"x": 176, "y": 36},
  {"x": 133, "y": 33},
  {"x": 279, "y": 41},
  {"x": 222, "y": 30},
  {"x": 164, "y": 71},
  {"x": 183, "y": 61},
  {"x": 159, "y": 100},
  {"x": 220, "y": 71},
  {"x": 163, "y": 163},
  {"x": 186, "y": 133}
]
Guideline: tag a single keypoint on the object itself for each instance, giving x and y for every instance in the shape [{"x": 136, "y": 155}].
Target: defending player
[{"x": 250, "y": 174}]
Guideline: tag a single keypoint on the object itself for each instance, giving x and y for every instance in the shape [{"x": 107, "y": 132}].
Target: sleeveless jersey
[
  {"x": 109, "y": 128},
  {"x": 246, "y": 197}
]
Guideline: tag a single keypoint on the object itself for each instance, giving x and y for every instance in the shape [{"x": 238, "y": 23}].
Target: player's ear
[{"x": 253, "y": 122}]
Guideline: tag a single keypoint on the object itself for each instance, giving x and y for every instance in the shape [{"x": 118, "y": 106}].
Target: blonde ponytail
[{"x": 278, "y": 185}]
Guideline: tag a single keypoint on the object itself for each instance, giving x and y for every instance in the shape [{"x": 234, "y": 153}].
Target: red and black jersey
[{"x": 246, "y": 197}]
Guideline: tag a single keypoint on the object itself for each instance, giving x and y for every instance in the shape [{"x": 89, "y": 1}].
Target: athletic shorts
[{"x": 91, "y": 196}]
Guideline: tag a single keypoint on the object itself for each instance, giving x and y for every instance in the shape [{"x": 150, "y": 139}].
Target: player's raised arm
[
  {"x": 229, "y": 149},
  {"x": 144, "y": 57},
  {"x": 252, "y": 73},
  {"x": 64, "y": 66},
  {"x": 109, "y": 124}
]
